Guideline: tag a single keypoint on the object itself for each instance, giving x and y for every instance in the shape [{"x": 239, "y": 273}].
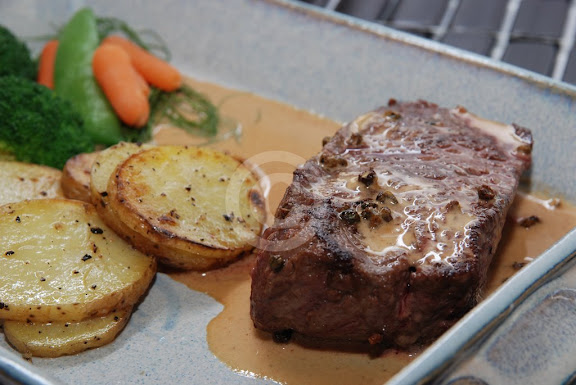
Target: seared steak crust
[{"x": 387, "y": 234}]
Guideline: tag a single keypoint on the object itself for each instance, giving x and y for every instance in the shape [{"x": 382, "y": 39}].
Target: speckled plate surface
[{"x": 339, "y": 67}]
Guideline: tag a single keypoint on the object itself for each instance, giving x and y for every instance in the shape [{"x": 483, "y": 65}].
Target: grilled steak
[{"x": 387, "y": 234}]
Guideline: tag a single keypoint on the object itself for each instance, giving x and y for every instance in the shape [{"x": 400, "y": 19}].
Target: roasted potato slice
[
  {"x": 59, "y": 261},
  {"x": 76, "y": 176},
  {"x": 199, "y": 208},
  {"x": 105, "y": 164},
  {"x": 60, "y": 338},
  {"x": 102, "y": 169},
  {"x": 22, "y": 181}
]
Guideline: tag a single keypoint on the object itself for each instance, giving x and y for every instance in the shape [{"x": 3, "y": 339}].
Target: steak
[{"x": 387, "y": 234}]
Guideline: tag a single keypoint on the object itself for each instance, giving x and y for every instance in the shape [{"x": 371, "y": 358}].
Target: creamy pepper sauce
[{"x": 276, "y": 138}]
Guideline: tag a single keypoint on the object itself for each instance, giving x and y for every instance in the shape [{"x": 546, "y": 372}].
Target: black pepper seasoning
[{"x": 96, "y": 230}]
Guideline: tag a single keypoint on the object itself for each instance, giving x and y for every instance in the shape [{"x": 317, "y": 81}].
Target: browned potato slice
[
  {"x": 22, "y": 181},
  {"x": 102, "y": 169},
  {"x": 61, "y": 338},
  {"x": 76, "y": 176},
  {"x": 59, "y": 261},
  {"x": 200, "y": 208},
  {"x": 105, "y": 164}
]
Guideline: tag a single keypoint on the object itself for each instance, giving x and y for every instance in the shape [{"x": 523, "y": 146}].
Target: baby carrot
[
  {"x": 119, "y": 80},
  {"x": 155, "y": 70},
  {"x": 46, "y": 64},
  {"x": 145, "y": 88}
]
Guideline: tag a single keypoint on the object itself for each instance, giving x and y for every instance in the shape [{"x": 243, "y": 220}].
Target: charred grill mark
[{"x": 340, "y": 259}]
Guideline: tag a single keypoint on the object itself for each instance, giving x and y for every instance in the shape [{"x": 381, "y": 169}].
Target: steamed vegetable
[
  {"x": 46, "y": 64},
  {"x": 15, "y": 56},
  {"x": 37, "y": 126},
  {"x": 103, "y": 111},
  {"x": 170, "y": 100},
  {"x": 121, "y": 84},
  {"x": 156, "y": 71},
  {"x": 74, "y": 79}
]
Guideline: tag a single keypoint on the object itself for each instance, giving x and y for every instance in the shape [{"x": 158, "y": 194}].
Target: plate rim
[
  {"x": 404, "y": 38},
  {"x": 444, "y": 49}
]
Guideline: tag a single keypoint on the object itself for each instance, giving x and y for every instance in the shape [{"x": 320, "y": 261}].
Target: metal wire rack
[{"x": 538, "y": 35}]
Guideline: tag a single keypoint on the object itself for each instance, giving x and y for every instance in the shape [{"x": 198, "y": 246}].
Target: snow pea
[{"x": 74, "y": 80}]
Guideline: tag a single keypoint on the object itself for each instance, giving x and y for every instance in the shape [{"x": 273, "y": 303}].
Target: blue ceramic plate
[{"x": 339, "y": 67}]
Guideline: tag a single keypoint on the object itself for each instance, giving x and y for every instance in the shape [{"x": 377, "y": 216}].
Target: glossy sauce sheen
[
  {"x": 276, "y": 138},
  {"x": 433, "y": 197}
]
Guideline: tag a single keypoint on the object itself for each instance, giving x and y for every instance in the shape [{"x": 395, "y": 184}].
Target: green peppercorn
[
  {"x": 368, "y": 177},
  {"x": 486, "y": 193},
  {"x": 386, "y": 195},
  {"x": 350, "y": 216},
  {"x": 386, "y": 214},
  {"x": 276, "y": 263}
]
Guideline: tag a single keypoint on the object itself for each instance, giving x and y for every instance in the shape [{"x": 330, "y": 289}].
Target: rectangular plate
[{"x": 331, "y": 64}]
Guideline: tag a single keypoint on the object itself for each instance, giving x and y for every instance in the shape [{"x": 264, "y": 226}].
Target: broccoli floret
[
  {"x": 15, "y": 58},
  {"x": 38, "y": 126}
]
